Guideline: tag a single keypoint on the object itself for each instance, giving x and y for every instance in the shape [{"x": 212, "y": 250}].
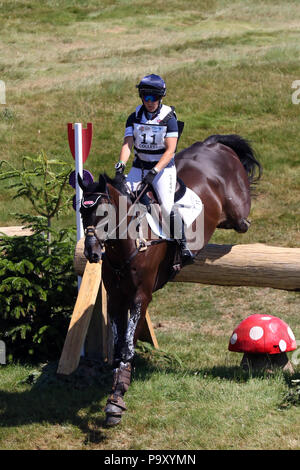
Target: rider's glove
[
  {"x": 119, "y": 176},
  {"x": 120, "y": 168},
  {"x": 150, "y": 177}
]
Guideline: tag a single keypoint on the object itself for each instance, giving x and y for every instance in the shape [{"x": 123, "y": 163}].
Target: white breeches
[{"x": 164, "y": 184}]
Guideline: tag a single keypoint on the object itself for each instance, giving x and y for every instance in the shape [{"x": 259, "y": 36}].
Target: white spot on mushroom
[
  {"x": 256, "y": 332},
  {"x": 291, "y": 334},
  {"x": 233, "y": 338},
  {"x": 266, "y": 318},
  {"x": 273, "y": 327},
  {"x": 282, "y": 345}
]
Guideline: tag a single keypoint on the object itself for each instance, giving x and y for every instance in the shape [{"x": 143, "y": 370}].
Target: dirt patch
[{"x": 169, "y": 325}]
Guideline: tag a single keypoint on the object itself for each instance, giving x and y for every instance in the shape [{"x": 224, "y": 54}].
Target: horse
[{"x": 222, "y": 170}]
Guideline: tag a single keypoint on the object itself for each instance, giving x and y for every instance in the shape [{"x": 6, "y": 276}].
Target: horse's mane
[
  {"x": 120, "y": 186},
  {"x": 244, "y": 151},
  {"x": 100, "y": 186}
]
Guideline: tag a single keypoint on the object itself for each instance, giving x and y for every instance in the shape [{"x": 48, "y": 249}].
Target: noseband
[{"x": 91, "y": 232}]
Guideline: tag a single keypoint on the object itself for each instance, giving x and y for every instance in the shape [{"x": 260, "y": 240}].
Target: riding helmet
[{"x": 152, "y": 83}]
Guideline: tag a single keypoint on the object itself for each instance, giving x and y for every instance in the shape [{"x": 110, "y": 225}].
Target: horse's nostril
[{"x": 95, "y": 258}]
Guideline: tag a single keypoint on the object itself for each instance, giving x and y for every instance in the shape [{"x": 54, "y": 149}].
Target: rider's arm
[
  {"x": 170, "y": 143},
  {"x": 128, "y": 140},
  {"x": 126, "y": 149}
]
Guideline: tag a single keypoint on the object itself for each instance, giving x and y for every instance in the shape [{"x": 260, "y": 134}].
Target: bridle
[{"x": 90, "y": 230}]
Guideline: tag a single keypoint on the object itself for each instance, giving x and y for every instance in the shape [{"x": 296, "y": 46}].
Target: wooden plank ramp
[
  {"x": 80, "y": 319},
  {"x": 148, "y": 334}
]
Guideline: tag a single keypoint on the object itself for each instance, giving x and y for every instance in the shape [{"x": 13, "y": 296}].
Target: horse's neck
[
  {"x": 122, "y": 206},
  {"x": 120, "y": 201}
]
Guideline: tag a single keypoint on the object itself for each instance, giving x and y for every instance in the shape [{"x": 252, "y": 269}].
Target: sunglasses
[{"x": 151, "y": 98}]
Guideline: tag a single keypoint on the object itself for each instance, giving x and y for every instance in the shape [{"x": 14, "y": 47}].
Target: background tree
[
  {"x": 38, "y": 286},
  {"x": 41, "y": 181}
]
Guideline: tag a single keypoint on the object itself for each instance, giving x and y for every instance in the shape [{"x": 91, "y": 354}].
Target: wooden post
[
  {"x": 148, "y": 334},
  {"x": 80, "y": 320},
  {"x": 99, "y": 338}
]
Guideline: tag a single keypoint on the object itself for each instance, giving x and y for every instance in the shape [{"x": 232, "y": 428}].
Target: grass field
[{"x": 229, "y": 68}]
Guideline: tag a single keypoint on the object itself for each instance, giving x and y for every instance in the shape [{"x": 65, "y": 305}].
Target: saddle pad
[{"x": 189, "y": 208}]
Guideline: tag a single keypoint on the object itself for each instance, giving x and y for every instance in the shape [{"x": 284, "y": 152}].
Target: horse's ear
[
  {"x": 102, "y": 182},
  {"x": 81, "y": 183}
]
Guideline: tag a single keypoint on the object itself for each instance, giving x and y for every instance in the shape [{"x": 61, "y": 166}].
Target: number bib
[{"x": 149, "y": 137}]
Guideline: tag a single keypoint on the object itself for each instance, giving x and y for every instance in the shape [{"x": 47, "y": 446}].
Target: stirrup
[
  {"x": 187, "y": 259},
  {"x": 187, "y": 256}
]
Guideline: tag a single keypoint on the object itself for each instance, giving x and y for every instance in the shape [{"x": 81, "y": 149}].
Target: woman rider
[{"x": 153, "y": 131}]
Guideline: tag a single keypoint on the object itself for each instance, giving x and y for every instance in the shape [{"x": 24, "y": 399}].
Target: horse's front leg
[
  {"x": 115, "y": 406},
  {"x": 118, "y": 313}
]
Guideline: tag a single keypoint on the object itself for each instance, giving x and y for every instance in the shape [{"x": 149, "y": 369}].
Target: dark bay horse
[{"x": 221, "y": 171}]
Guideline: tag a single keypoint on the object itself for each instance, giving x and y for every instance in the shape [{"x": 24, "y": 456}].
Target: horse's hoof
[
  {"x": 112, "y": 420},
  {"x": 114, "y": 409}
]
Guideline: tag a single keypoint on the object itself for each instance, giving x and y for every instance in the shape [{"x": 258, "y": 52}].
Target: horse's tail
[{"x": 243, "y": 150}]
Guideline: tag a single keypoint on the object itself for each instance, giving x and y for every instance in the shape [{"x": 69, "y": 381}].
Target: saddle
[{"x": 150, "y": 196}]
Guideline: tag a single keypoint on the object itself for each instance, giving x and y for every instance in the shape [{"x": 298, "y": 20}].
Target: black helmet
[{"x": 152, "y": 83}]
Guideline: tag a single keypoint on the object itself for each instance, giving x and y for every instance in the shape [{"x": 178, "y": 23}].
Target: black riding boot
[{"x": 187, "y": 256}]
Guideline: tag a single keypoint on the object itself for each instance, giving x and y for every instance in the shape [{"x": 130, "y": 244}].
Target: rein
[
  {"x": 137, "y": 198},
  {"x": 142, "y": 244},
  {"x": 91, "y": 230}
]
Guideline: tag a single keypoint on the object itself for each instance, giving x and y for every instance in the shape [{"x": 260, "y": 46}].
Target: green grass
[
  {"x": 191, "y": 394},
  {"x": 229, "y": 68}
]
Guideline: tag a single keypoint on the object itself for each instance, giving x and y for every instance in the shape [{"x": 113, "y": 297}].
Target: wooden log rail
[
  {"x": 15, "y": 231},
  {"x": 256, "y": 265}
]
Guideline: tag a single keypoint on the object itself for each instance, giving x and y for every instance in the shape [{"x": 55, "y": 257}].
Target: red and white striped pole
[
  {"x": 78, "y": 171},
  {"x": 80, "y": 141}
]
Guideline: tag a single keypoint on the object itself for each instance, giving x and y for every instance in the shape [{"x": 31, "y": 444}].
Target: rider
[{"x": 153, "y": 131}]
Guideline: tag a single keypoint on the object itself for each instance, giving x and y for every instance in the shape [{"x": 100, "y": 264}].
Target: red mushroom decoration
[{"x": 264, "y": 340}]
